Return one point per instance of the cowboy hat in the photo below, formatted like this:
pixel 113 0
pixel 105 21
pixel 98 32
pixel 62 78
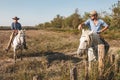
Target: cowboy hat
pixel 15 18
pixel 93 13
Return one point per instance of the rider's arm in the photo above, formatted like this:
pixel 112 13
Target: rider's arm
pixel 80 26
pixel 87 23
pixel 104 29
pixel 12 26
pixel 20 27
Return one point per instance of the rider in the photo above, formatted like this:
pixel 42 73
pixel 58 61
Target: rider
pixel 97 25
pixel 15 26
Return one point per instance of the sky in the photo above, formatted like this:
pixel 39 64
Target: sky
pixel 34 12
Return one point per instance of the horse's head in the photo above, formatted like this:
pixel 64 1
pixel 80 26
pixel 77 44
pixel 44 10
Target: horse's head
pixel 21 33
pixel 20 36
pixel 85 41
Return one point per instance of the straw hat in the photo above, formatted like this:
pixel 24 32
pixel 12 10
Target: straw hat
pixel 93 13
pixel 15 18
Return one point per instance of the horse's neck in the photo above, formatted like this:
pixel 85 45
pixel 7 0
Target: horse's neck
pixel 18 35
pixel 19 38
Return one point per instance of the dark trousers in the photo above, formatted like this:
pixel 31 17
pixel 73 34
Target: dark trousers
pixel 107 46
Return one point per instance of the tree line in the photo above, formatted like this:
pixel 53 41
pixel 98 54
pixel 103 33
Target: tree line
pixel 72 21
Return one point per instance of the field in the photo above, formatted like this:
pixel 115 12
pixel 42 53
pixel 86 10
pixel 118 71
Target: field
pixel 49 55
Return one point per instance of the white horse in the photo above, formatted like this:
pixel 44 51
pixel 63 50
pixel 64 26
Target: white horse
pixel 88 44
pixel 18 43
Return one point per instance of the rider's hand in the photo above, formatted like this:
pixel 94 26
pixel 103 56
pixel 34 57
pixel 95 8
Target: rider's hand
pixel 80 27
pixel 15 31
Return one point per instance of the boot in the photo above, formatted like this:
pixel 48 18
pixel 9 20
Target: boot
pixel 25 47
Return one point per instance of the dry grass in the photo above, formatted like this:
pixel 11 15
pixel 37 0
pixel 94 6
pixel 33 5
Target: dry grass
pixel 47 56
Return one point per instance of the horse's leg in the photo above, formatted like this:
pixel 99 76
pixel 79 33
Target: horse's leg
pixel 91 57
pixel 14 56
pixel 89 66
pixel 79 52
pixel 86 65
pixel 90 52
pixel 21 53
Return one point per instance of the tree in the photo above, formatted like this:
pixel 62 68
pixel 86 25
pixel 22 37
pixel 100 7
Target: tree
pixel 116 15
pixel 86 16
pixel 106 17
pixel 40 25
pixel 47 25
pixel 76 19
pixel 57 21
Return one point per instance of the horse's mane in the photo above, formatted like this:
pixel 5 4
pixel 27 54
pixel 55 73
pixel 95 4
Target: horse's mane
pixel 86 32
pixel 89 32
pixel 92 35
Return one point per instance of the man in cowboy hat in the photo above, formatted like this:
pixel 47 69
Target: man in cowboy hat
pixel 97 25
pixel 15 26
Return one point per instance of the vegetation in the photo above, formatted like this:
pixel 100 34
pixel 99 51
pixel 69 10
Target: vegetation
pixel 72 21
pixel 48 56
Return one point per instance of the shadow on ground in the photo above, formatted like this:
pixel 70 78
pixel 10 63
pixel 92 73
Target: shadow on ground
pixel 52 56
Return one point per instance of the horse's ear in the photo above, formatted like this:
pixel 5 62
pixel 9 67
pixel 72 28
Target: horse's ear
pixel 83 30
pixel 23 29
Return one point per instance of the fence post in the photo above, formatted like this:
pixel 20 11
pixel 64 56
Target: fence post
pixel 73 73
pixel 112 58
pixel 36 77
pixel 86 66
pixel 101 55
pixel 117 63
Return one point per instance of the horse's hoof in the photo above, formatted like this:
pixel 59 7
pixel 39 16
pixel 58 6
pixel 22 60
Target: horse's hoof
pixel 6 50
pixel 15 62
pixel 25 47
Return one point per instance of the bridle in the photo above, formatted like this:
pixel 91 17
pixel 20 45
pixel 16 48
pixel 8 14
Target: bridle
pixel 88 42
